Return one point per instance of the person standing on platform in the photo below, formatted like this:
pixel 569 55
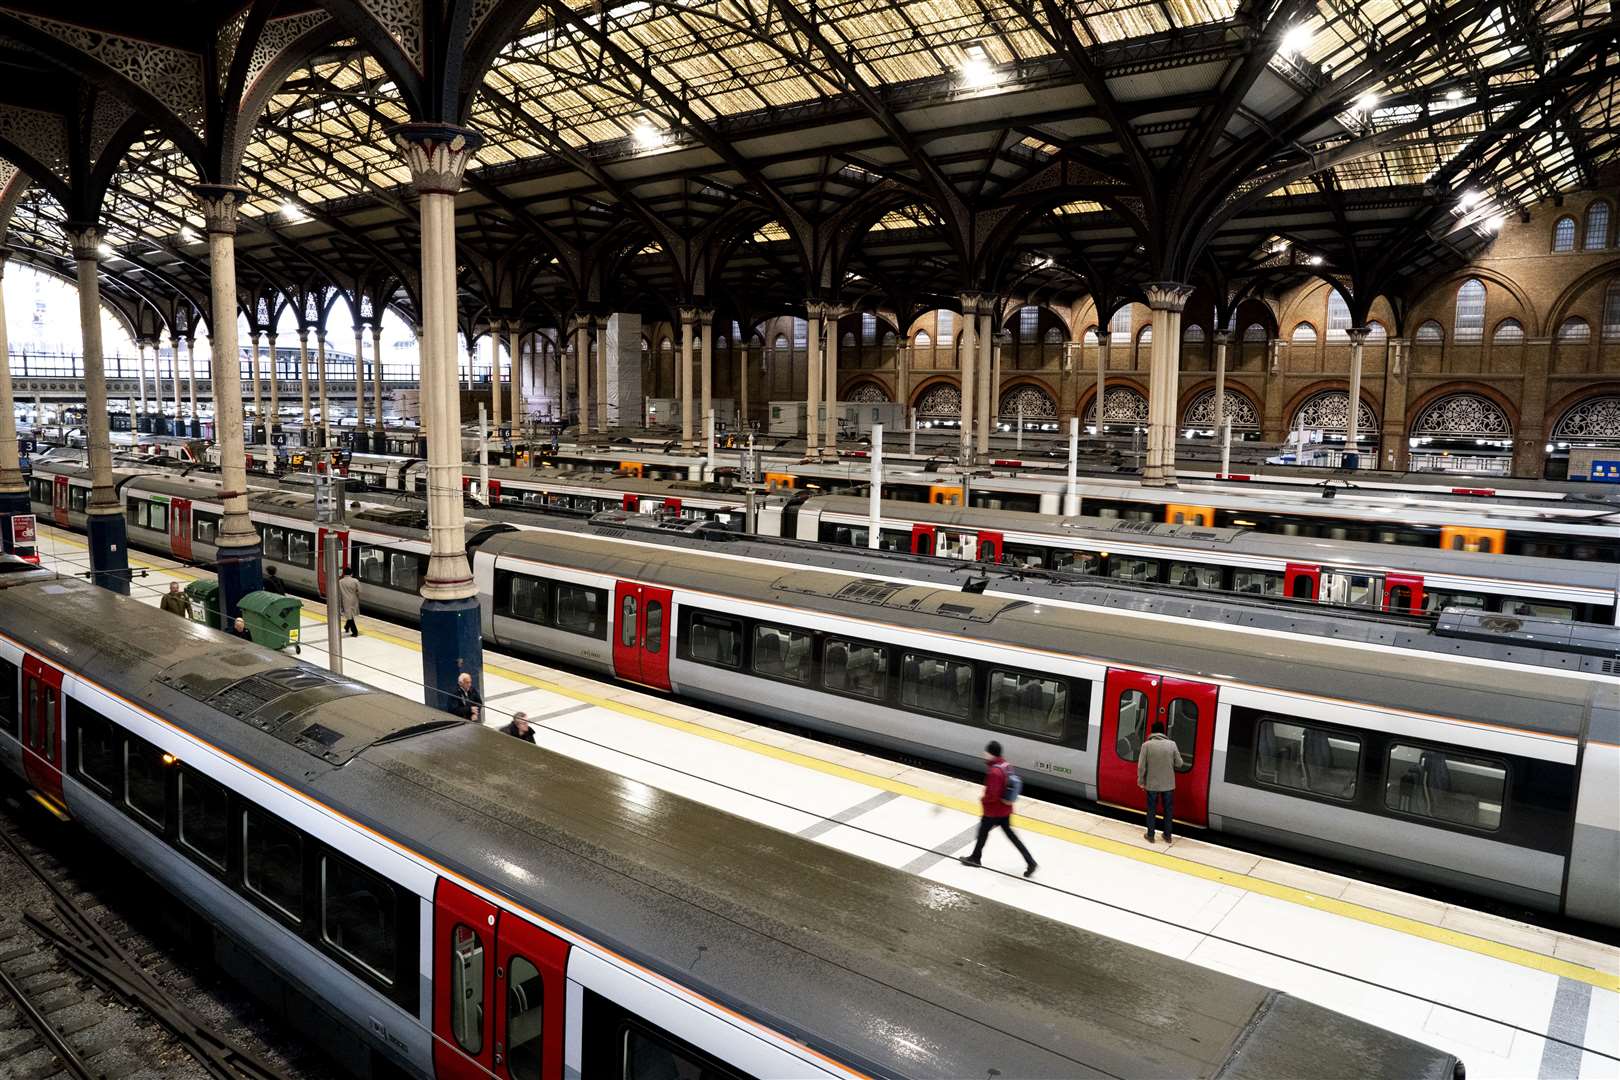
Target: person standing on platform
pixel 349 602
pixel 272 582
pixel 174 601
pixel 468 702
pixel 1001 789
pixel 239 629
pixel 519 728
pixel 1156 769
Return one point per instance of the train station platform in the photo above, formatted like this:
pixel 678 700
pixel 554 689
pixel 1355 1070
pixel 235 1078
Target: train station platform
pixel 1513 1000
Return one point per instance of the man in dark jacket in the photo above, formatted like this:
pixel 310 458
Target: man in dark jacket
pixel 466 702
pixel 239 629
pixel 519 728
pixel 272 582
pixel 1156 768
pixel 996 811
pixel 174 601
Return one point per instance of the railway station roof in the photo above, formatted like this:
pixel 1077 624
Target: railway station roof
pixel 748 154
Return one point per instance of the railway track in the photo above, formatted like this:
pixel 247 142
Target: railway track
pixel 90 991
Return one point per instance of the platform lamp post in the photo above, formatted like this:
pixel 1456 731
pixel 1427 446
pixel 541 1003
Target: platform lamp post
pixel 329 517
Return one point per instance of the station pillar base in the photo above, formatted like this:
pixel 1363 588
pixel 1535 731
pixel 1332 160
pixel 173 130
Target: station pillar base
pixel 241 571
pixel 452 642
pixel 109 552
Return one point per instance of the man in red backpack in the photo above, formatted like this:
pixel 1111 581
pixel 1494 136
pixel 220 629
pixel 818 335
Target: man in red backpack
pixel 997 804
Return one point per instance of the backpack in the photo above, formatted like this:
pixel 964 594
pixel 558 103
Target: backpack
pixel 1014 786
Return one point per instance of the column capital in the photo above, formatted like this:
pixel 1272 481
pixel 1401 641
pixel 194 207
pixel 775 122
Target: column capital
pixel 437 154
pixel 815 309
pixel 705 316
pixel 146 341
pixel 85 239
pixel 1223 337
pixel 303 335
pixel 689 315
pixel 1357 334
pixel 219 205
pixel 1100 332
pixel 1167 295
pixel 971 303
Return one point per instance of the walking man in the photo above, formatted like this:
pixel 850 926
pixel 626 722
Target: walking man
pixel 519 728
pixel 273 582
pixel 174 601
pixel 349 602
pixel 1156 769
pixel 996 808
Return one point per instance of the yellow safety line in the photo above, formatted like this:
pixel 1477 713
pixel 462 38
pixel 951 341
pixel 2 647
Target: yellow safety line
pixel 1305 898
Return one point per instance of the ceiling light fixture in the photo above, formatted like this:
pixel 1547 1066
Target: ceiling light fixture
pixel 1468 198
pixel 1296 40
pixel 977 70
pixel 1454 96
pixel 1316 260
pixel 1366 103
pixel 648 135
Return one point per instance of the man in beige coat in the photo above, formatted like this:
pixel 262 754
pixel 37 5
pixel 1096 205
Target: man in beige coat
pixel 349 602
pixel 1156 768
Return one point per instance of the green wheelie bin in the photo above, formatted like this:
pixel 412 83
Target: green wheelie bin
pixel 203 597
pixel 273 620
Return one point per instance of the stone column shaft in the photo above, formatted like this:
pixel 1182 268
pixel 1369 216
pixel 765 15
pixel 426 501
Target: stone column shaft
pixel 967 346
pixel 582 373
pixel 273 421
pixel 988 394
pixel 320 373
pixel 514 342
pixel 1166 299
pixel 174 379
pixel 706 362
pixel 1222 339
pixel 191 378
pixel 814 313
pixel 1358 338
pixel 376 383
pixel 742 380
pixel 13 488
pixel 140 379
pixel 688 324
pixel 494 378
pixel 598 338
pixel 829 363
pixel 258 413
pixel 303 380
pixel 1103 336
pixel 109 553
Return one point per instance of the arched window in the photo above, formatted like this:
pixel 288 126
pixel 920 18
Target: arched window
pixel 1144 337
pixel 922 340
pixel 947 327
pixel 1508 332
pixel 780 344
pixel 720 343
pixel 1192 334
pixel 888 339
pixel 1029 322
pixel 1469 323
pixel 848 340
pixel 646 346
pixel 1119 327
pixel 666 345
pixel 801 334
pixel 1430 333
pixel 1575 331
pixel 1611 312
pixel 1304 334
pixel 1597 226
pixel 1564 234
pixel 868 328
pixel 1254 332
pixel 1376 331
pixel 1338 317
pixel 1054 336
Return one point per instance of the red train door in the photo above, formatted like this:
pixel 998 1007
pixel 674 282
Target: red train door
pixel 180 528
pixel 641 634
pixel 530 995
pixel 1133 702
pixel 42 727
pixel 1404 593
pixel 320 555
pixel 1302 581
pixel 59 500
pixel 672 506
pixel 631 503
pixel 989 546
pixel 922 539
pixel 494 492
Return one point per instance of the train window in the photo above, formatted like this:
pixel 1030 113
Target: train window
pixel 1534 609
pixel 937 685
pixel 627 621
pixel 525 1015
pixel 204 527
pixel 581 609
pixel 1447 787
pixel 1307 758
pixel 1192 576
pixel 854 667
pixel 1027 704
pixel 1435 600
pixel 1080 562
pixel 529 599
pixel 1023 555
pixel 146 781
pixel 273 863
pixel 9 699
pixel 1257 582
pixel 653 1056
pixel 275 543
pixel 300 549
pixel 1133 722
pixel 1130 568
pixel 358 916
pixel 652 636
pixel 204 818
pixel 78 499
pixel 1182 727
pixel 405 570
pixel 1342 587
pixel 782 653
pixel 467 988
pixel 371 564
pixel 97 761
pixel 714 639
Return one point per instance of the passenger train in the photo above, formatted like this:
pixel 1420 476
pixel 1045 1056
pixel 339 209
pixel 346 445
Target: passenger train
pixel 1472 754
pixel 460 908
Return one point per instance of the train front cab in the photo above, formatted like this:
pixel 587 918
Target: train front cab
pixel 1133 702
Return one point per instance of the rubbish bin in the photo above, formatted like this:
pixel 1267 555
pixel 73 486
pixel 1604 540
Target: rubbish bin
pixel 272 619
pixel 203 597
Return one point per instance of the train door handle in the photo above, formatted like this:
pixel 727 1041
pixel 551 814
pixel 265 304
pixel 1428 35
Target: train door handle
pixel 500 1056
